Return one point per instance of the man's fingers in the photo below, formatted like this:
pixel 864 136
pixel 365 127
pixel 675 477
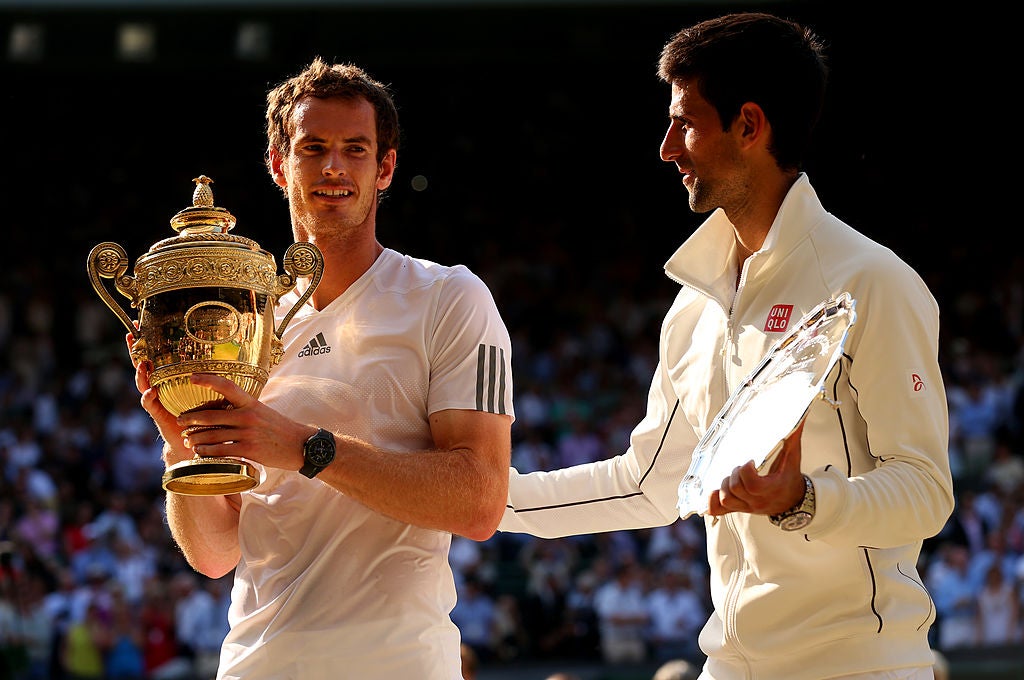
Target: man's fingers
pixel 142 372
pixel 236 396
pixel 743 482
pixel 737 490
pixel 788 455
pixel 715 504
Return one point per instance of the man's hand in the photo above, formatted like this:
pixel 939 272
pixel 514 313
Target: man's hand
pixel 247 428
pixel 150 400
pixel 782 487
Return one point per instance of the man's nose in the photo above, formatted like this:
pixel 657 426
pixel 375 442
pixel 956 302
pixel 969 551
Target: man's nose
pixel 672 144
pixel 333 164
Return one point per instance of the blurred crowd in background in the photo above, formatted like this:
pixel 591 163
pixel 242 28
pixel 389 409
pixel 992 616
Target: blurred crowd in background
pixel 92 586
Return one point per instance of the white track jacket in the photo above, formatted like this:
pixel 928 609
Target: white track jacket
pixel 844 596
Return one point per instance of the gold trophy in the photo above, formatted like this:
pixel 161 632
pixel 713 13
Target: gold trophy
pixel 206 303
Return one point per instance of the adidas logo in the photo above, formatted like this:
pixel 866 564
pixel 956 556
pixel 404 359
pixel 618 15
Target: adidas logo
pixel 315 346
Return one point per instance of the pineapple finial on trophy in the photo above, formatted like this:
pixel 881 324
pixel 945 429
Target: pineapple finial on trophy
pixel 202 197
pixel 203 217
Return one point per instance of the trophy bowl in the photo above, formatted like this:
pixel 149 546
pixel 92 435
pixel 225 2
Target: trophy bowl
pixel 205 301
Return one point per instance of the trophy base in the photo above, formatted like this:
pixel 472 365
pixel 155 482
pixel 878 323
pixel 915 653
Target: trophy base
pixel 209 477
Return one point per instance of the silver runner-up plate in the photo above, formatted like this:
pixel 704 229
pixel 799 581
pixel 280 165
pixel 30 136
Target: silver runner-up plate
pixel 770 403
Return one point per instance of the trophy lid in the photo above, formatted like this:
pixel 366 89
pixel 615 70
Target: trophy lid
pixel 204 224
pixel 203 217
pixel 203 253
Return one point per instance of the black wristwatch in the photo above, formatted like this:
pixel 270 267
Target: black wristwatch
pixel 801 514
pixel 318 452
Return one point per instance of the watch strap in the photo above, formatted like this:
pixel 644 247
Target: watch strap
pixel 804 509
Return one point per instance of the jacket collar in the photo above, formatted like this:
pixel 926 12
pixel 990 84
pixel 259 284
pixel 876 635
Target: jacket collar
pixel 706 259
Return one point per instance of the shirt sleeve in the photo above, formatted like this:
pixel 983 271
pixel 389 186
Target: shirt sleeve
pixel 635 489
pixel 470 350
pixel 895 374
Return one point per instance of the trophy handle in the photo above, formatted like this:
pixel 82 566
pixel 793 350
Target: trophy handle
pixel 109 260
pixel 300 260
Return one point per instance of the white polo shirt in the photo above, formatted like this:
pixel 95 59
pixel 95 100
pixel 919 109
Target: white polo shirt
pixel 326 588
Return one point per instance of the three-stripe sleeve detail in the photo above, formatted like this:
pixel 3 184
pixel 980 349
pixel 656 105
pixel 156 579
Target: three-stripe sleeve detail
pixel 491 374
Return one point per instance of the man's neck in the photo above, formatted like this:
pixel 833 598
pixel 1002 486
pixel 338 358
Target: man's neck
pixel 344 263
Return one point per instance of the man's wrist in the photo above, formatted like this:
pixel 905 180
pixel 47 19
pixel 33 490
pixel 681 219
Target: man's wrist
pixel 801 514
pixel 172 457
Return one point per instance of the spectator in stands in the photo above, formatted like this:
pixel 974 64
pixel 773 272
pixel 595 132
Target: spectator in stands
pixel 194 611
pixel 579 444
pixel 474 613
pixel 470 662
pixel 998 609
pixel 36 625
pixel 677 614
pixel 1006 471
pixel 511 639
pixel 623 616
pixel 125 659
pixel 955 597
pixel 940 666
pixel 994 554
pixel 973 522
pixel 677 669
pixel 87 642
pixel 580 634
pixel 548 566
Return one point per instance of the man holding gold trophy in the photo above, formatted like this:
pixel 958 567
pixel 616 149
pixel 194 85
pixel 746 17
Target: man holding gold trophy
pixel 384 429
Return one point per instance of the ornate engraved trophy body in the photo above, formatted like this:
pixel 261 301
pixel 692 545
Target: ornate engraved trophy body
pixel 206 303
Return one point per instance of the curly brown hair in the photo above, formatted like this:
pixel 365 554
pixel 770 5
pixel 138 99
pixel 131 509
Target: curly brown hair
pixel 324 80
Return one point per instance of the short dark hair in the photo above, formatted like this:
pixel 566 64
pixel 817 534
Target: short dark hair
pixel 323 80
pixel 755 57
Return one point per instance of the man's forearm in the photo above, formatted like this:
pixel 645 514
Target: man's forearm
pixel 204 527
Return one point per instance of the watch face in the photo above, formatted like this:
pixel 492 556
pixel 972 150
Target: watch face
pixel 320 452
pixel 797 520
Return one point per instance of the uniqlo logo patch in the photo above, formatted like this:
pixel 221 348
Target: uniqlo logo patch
pixel 778 319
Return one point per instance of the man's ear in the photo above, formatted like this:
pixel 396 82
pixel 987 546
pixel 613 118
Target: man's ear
pixel 386 171
pixel 753 126
pixel 275 163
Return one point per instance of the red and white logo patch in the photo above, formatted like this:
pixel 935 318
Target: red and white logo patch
pixel 778 319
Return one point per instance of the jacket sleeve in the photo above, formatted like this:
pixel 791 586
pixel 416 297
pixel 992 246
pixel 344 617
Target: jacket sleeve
pixel 904 491
pixel 635 489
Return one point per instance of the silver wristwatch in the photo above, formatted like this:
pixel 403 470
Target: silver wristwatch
pixel 801 514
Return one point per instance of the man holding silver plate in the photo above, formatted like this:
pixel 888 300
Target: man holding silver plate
pixel 797 405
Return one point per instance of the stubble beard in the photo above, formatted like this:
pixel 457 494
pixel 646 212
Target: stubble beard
pixel 700 198
pixel 707 196
pixel 334 223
